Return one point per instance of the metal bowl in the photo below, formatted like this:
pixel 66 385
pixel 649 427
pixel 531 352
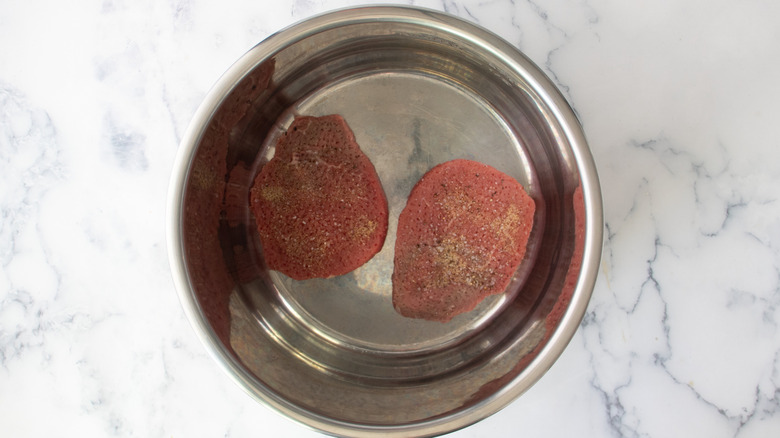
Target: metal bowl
pixel 418 88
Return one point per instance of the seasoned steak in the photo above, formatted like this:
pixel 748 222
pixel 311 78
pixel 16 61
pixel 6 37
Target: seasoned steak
pixel 318 203
pixel 461 237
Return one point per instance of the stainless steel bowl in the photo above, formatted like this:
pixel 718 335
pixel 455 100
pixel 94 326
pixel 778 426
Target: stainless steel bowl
pixel 418 88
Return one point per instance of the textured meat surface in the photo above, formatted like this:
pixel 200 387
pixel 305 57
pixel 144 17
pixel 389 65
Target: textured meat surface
pixel 461 237
pixel 318 203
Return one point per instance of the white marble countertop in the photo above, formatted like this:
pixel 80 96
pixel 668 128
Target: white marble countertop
pixel 679 99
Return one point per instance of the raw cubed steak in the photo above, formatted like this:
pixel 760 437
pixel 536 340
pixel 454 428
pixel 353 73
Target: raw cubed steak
pixel 318 203
pixel 461 237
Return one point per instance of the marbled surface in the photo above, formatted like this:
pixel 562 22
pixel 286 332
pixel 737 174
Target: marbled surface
pixel 679 99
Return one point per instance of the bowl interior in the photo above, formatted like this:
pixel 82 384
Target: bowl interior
pixel 417 88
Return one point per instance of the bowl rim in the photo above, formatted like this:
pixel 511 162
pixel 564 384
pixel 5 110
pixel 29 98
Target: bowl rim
pixel 548 93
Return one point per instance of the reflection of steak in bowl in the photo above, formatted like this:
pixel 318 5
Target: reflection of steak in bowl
pixel 417 88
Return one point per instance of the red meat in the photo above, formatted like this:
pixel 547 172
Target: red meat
pixel 461 237
pixel 318 203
